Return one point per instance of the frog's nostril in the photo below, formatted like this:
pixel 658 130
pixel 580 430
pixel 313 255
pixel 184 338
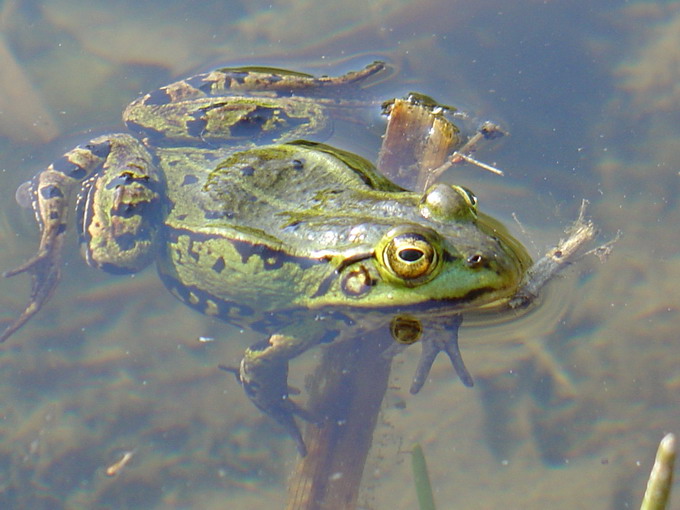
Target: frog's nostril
pixel 475 260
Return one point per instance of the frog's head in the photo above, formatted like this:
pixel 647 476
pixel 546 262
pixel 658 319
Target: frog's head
pixel 446 252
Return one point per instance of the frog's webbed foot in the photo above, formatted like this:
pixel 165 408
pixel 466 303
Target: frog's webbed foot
pixel 432 345
pixel 264 378
pixel 45 273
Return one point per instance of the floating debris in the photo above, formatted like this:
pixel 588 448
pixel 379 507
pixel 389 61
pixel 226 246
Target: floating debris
pixel 118 466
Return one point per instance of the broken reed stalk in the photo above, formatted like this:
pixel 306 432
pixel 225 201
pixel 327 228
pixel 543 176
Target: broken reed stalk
pixel 349 385
pixel 660 481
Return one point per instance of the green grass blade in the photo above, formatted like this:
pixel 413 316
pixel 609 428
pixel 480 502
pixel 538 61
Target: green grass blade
pixel 422 479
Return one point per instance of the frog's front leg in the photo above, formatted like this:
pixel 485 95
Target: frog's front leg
pixel 263 373
pixel 117 181
pixel 441 338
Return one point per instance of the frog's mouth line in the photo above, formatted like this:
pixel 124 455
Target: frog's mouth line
pixel 432 306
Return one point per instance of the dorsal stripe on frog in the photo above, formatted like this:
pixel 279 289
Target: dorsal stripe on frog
pixel 271 257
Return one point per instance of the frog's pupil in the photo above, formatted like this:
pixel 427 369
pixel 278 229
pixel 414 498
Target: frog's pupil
pixel 410 255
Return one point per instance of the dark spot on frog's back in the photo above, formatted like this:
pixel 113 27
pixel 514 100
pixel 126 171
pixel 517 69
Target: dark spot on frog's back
pixel 192 252
pixel 250 125
pixel 198 82
pixel 67 167
pixel 236 76
pixel 50 191
pixel 189 179
pixel 101 150
pixel 126 178
pixel 218 215
pixel 272 258
pixel 219 265
pixel 196 127
pixel 247 171
pixel 146 209
pixel 126 241
pixel 155 136
pixel 298 164
pixel 158 98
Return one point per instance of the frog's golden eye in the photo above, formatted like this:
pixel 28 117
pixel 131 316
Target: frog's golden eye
pixel 410 256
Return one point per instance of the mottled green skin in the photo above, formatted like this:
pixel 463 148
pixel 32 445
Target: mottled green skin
pixel 272 236
pixel 268 228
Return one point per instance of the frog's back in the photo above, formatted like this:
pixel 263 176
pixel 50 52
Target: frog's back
pixel 277 195
pixel 252 231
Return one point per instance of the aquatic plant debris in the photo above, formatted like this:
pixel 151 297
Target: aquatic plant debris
pixel 579 233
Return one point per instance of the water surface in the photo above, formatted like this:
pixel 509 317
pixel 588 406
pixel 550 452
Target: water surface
pixel 569 402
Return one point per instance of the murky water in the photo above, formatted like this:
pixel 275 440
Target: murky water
pixel 569 402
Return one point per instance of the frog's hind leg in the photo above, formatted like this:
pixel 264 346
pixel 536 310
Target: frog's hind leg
pixel 119 210
pixel 263 374
pixel 51 195
pixel 237 82
pixel 280 80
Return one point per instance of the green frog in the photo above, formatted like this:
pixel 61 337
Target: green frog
pixel 249 222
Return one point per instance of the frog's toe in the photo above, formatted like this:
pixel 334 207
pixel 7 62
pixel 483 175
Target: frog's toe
pixel 45 276
pixel 431 348
pixel 287 420
pixel 282 410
